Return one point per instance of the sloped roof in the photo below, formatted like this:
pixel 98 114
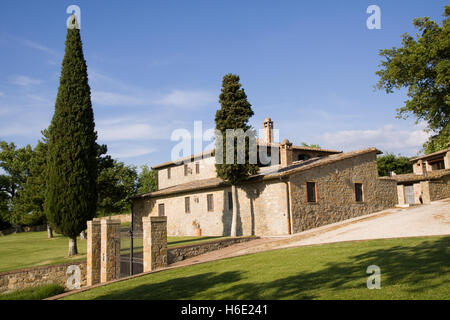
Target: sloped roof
pixel 269 173
pixel 209 153
pixel 412 177
pixel 431 155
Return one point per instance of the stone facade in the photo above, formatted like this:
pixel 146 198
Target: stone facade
pixel 93 252
pixel 110 250
pixel 33 277
pixel 262 207
pixel 336 192
pixel 206 169
pixel 439 189
pixel 154 242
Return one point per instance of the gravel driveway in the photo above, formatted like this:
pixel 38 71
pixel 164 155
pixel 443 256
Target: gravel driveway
pixel 424 220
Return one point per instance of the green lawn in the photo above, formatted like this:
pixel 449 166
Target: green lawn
pixel 413 268
pixel 30 249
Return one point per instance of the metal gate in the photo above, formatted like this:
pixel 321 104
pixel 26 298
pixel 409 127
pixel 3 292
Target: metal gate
pixel 131 247
pixel 409 195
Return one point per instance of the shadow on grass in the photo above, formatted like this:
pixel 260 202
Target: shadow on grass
pixel 197 240
pixel 411 265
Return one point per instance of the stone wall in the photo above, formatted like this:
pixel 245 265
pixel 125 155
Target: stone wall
pixel 262 211
pixel 184 252
pixel 126 217
pixel 336 194
pixel 439 189
pixel 207 170
pixel 33 277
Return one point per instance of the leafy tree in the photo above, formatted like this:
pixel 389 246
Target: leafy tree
pixel 304 144
pixel 389 162
pixel 437 142
pixel 234 114
pixel 4 200
pixel 116 184
pixel 71 191
pixel 422 65
pixel 29 203
pixel 147 180
pixel 15 162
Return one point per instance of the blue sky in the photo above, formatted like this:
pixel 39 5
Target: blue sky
pixel 155 66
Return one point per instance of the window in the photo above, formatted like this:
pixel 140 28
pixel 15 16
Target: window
pixel 311 192
pixel 230 201
pixel 210 202
pixel 168 173
pixel 187 205
pixel 359 192
pixel 186 170
pixel 161 212
pixel 197 168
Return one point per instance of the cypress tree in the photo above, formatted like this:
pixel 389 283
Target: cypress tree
pixel 71 194
pixel 234 113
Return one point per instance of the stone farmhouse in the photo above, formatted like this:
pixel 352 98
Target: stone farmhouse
pixel 429 181
pixel 307 188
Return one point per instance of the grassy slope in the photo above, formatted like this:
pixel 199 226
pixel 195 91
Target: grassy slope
pixel 30 249
pixel 414 268
pixel 37 293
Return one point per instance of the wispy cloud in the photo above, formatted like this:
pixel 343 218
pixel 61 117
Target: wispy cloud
pixel 187 99
pixel 116 99
pixel 387 139
pixel 123 152
pixel 37 46
pixel 24 81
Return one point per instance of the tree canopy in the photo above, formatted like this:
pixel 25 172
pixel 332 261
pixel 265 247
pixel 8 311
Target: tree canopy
pixel 422 64
pixel 390 162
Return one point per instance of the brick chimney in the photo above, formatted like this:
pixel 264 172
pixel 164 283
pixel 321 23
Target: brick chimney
pixel 286 155
pixel 268 130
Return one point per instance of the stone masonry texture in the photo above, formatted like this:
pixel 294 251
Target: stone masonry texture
pixel 154 243
pixel 110 250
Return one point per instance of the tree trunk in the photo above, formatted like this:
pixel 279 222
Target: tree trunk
pixel 83 235
pixel 73 250
pixel 235 211
pixel 49 232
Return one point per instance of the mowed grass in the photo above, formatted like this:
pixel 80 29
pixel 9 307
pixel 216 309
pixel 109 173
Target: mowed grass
pixel 31 249
pixel 411 268
pixel 37 293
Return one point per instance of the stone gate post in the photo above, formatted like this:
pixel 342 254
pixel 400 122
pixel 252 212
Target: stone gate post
pixel 110 250
pixel 93 252
pixel 155 242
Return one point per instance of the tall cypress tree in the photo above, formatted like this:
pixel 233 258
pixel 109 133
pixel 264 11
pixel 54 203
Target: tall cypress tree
pixel 234 113
pixel 71 195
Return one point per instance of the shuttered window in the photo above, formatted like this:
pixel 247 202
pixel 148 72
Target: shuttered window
pixel 230 201
pixel 210 202
pixel 187 205
pixel 161 212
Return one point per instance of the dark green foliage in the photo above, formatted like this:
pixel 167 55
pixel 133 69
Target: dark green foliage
pixel 389 162
pixel 423 66
pixel 71 193
pixel 304 144
pixel 29 203
pixel 15 163
pixel 147 181
pixel 437 142
pixel 36 293
pixel 116 183
pixel 234 113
